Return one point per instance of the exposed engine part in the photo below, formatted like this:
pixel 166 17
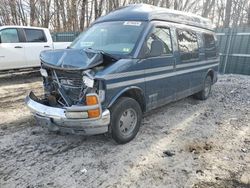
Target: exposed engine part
pixel 52 100
pixel 61 91
pixel 67 88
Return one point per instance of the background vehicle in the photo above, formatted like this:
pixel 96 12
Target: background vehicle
pixel 20 46
pixel 129 62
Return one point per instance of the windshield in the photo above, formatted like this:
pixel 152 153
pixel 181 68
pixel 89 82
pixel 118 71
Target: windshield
pixel 117 38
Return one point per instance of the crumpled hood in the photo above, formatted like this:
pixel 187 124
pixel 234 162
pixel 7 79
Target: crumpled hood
pixel 72 58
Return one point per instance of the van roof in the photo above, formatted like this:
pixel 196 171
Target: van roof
pixel 145 12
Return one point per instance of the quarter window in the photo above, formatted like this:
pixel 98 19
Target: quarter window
pixel 162 35
pixel 209 44
pixel 9 36
pixel 35 35
pixel 188 45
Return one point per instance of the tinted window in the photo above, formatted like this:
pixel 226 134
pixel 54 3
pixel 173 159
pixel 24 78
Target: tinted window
pixel 162 35
pixel 209 44
pixel 35 35
pixel 9 36
pixel 188 45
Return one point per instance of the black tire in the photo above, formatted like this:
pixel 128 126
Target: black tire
pixel 206 91
pixel 124 110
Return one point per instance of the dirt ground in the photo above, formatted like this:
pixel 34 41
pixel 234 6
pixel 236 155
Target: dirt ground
pixel 188 143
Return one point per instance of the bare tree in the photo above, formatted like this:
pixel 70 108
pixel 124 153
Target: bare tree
pixel 82 14
pixel 228 13
pixel 207 7
pixel 248 14
pixel 32 11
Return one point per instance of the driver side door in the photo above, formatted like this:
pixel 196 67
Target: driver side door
pixel 159 75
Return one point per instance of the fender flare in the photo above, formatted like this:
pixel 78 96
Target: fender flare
pixel 120 93
pixel 208 71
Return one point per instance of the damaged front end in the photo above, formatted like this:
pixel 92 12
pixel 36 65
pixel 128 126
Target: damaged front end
pixel 72 96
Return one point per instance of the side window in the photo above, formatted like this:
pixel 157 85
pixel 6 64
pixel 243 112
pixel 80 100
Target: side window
pixel 35 35
pixel 9 36
pixel 161 37
pixel 188 45
pixel 209 45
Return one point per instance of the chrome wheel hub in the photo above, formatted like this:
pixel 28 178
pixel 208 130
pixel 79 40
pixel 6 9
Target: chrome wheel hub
pixel 128 121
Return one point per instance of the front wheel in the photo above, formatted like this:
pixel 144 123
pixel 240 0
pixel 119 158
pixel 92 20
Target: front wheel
pixel 126 115
pixel 205 92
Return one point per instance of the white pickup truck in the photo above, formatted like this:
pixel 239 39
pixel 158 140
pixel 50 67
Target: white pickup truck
pixel 20 46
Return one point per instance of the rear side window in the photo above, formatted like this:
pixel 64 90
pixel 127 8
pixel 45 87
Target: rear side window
pixel 9 36
pixel 188 45
pixel 35 35
pixel 209 45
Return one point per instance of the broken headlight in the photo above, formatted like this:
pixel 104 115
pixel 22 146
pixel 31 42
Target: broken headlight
pixel 89 82
pixel 88 79
pixel 44 73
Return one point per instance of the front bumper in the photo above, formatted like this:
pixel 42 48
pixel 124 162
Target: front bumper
pixel 55 118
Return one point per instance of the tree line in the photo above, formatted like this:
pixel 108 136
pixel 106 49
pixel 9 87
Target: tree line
pixel 75 15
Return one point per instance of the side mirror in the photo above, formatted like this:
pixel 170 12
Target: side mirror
pixel 157 48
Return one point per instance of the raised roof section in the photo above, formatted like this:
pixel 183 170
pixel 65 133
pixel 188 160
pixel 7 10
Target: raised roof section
pixel 144 12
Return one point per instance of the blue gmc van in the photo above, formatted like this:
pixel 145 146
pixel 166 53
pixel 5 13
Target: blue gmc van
pixel 128 62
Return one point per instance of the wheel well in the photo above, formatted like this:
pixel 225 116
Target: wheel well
pixel 211 74
pixel 137 95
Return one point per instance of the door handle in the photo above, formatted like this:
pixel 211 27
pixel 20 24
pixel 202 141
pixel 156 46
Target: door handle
pixel 46 46
pixel 18 47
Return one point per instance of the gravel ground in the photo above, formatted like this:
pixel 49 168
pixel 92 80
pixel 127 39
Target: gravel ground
pixel 187 143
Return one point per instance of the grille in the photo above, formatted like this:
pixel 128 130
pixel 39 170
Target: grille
pixel 71 82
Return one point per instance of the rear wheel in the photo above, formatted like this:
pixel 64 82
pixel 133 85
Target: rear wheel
pixel 205 93
pixel 126 115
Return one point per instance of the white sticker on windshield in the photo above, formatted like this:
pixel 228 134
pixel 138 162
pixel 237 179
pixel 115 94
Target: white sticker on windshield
pixel 132 23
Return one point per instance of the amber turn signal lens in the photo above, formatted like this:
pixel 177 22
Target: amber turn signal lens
pixel 91 100
pixel 94 113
